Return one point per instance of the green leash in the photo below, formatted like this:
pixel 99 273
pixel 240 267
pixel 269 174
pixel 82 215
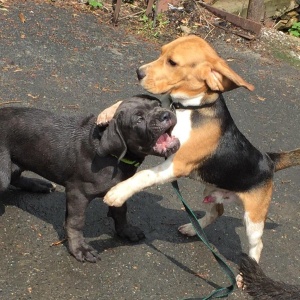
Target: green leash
pixel 221 292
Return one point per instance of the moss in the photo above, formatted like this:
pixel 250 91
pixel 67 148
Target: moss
pixel 286 57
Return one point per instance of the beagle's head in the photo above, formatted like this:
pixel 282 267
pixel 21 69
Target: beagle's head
pixel 188 67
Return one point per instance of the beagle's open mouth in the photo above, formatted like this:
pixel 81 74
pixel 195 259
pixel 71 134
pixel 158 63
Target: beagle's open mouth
pixel 166 144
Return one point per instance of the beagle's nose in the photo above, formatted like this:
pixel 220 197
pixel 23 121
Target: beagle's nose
pixel 140 73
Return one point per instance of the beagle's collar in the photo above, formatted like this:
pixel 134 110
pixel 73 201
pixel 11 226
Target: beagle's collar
pixel 168 102
pixel 178 105
pixel 127 161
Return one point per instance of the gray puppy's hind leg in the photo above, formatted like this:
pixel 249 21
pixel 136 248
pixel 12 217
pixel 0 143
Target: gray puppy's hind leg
pixel 34 185
pixel 5 170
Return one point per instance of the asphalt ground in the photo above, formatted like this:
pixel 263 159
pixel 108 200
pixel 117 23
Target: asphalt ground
pixel 65 61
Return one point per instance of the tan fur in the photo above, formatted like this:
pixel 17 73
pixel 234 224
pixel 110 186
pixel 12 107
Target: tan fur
pixel 198 69
pixel 287 159
pixel 202 142
pixel 256 201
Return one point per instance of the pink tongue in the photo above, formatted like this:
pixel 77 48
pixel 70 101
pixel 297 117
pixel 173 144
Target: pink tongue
pixel 162 142
pixel 163 139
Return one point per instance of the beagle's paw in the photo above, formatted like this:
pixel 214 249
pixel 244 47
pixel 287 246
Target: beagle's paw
pixel 187 229
pixel 107 114
pixel 117 195
pixel 239 281
pixel 103 119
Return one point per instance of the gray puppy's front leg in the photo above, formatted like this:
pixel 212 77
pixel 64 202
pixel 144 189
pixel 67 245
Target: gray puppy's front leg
pixel 75 219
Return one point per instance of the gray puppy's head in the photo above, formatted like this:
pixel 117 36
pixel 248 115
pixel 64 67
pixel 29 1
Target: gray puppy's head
pixel 142 127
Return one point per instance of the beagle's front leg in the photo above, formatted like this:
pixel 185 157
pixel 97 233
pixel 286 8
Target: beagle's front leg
pixel 163 173
pixel 107 114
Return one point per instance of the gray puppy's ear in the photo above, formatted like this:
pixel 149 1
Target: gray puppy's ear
pixel 112 141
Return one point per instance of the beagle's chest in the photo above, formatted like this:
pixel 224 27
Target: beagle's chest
pixel 183 127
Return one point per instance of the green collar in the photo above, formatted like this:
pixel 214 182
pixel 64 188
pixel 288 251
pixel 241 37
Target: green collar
pixel 128 161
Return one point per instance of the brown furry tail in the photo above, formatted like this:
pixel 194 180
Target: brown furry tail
pixel 285 160
pixel 261 287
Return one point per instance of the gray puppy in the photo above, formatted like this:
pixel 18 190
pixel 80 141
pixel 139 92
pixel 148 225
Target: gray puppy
pixel 84 158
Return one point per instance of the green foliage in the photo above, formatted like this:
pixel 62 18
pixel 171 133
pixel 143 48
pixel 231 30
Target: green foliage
pixel 154 28
pixel 295 29
pixel 95 4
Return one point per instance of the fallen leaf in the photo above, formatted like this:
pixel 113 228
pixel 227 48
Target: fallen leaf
pixel 104 89
pixel 9 102
pixel 261 98
pixel 185 29
pixel 33 97
pixel 58 242
pixel 201 275
pixel 22 17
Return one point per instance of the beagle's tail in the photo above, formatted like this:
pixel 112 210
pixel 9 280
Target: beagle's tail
pixel 261 287
pixel 285 160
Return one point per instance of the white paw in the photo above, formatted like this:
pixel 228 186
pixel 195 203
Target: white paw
pixel 239 281
pixel 117 195
pixel 187 229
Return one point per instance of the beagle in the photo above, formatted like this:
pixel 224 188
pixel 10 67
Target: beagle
pixel 212 149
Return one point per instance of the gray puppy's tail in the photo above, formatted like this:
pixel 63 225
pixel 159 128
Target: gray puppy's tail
pixel 261 287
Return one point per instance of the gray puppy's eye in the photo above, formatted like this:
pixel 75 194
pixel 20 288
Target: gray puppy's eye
pixel 139 119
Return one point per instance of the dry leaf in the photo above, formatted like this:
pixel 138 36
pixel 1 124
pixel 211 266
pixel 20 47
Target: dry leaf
pixel 202 275
pixel 104 89
pixel 9 102
pixel 261 98
pixel 22 17
pixel 33 97
pixel 58 242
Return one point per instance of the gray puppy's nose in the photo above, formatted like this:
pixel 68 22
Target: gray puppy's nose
pixel 140 74
pixel 165 116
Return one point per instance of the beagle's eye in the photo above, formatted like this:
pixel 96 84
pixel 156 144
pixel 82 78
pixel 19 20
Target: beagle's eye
pixel 172 62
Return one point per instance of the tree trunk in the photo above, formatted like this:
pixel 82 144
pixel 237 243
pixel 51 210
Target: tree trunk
pixel 256 10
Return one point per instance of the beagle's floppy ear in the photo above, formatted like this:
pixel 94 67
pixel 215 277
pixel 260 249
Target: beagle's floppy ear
pixel 219 77
pixel 112 141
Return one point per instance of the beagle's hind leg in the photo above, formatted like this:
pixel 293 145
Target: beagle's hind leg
pixel 34 185
pixel 256 204
pixel 212 211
